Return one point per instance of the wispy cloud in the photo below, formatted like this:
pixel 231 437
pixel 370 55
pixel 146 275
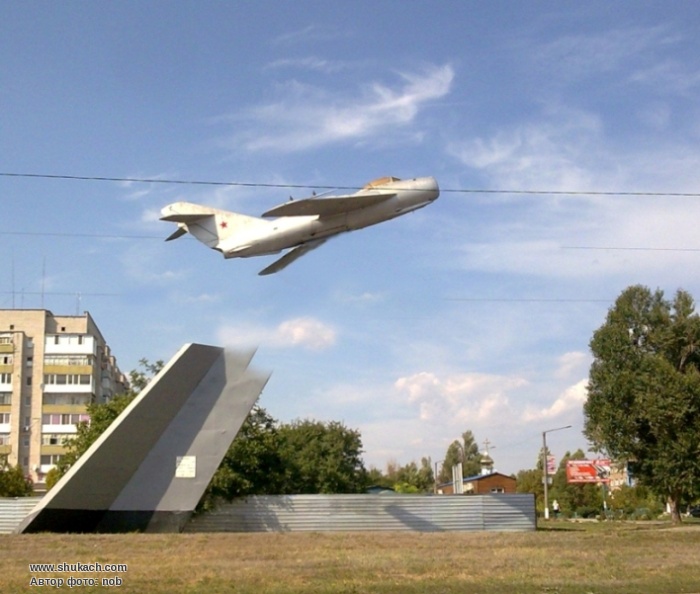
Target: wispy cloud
pixel 310 33
pixel 140 264
pixel 555 153
pixel 307 63
pixel 305 332
pixel 575 56
pixel 309 117
pixel 571 150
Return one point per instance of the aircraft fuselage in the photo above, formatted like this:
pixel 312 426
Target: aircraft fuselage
pixel 299 226
pixel 286 232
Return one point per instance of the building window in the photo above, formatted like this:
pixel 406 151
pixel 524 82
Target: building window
pixel 30 361
pixel 497 490
pixel 5 378
pixel 50 439
pixel 68 360
pixel 4 418
pixel 5 397
pixel 50 459
pixel 4 438
pixel 64 398
pixel 64 419
pixel 62 379
pixel 6 360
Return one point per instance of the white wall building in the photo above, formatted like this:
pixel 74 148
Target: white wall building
pixel 51 368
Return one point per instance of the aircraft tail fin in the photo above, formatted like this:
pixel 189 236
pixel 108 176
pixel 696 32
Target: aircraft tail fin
pixel 209 225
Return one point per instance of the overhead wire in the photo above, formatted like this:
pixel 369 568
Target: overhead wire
pixel 327 187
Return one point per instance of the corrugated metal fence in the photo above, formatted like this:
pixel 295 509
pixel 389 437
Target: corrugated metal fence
pixel 319 513
pixel 14 510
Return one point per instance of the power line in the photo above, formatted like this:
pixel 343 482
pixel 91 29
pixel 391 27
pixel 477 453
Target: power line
pixel 64 294
pixel 114 236
pixel 325 187
pixel 92 235
pixel 524 300
pixel 635 249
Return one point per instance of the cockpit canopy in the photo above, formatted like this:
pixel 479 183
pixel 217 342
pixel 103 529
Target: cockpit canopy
pixel 380 181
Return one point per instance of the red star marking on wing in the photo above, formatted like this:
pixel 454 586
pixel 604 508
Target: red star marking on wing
pixel 224 224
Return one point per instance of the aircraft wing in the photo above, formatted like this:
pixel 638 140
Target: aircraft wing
pixel 327 207
pixel 290 256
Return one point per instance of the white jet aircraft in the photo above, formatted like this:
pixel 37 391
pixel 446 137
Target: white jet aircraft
pixel 302 225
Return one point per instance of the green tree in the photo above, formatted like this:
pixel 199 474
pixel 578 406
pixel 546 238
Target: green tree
pixel 252 465
pixel 410 478
pixel 575 498
pixel 465 451
pixel 139 378
pixel 13 482
pixel 643 402
pixel 322 458
pixel 376 478
pixel 530 481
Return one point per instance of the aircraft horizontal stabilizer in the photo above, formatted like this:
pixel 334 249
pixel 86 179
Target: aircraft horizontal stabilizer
pixel 185 218
pixel 327 207
pixel 290 256
pixel 179 232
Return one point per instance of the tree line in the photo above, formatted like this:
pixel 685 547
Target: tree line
pixel 642 410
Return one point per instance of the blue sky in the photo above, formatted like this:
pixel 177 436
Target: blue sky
pixel 474 313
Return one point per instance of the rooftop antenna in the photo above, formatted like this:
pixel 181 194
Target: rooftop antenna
pixel 43 280
pixel 13 279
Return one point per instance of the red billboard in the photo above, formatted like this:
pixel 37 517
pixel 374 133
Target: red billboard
pixel 588 471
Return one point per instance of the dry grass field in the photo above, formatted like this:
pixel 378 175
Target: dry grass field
pixel 564 557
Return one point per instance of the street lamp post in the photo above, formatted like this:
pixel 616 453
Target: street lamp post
pixel 545 469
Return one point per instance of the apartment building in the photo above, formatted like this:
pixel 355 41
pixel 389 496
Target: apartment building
pixel 51 368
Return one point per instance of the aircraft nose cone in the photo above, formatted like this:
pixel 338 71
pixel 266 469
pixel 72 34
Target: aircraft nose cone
pixel 430 185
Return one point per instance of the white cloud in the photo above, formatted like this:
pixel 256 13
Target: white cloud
pixel 572 399
pixel 309 117
pixel 458 398
pixel 364 298
pixel 572 363
pixel 305 332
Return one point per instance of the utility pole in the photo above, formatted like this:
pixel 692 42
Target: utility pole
pixel 546 470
